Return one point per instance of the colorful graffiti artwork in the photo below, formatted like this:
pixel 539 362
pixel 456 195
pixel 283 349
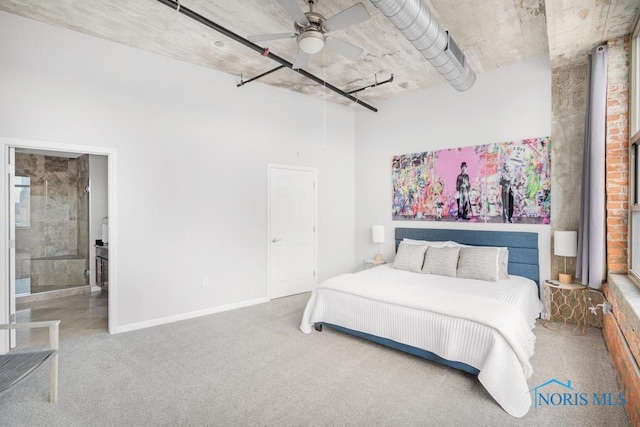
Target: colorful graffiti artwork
pixel 506 182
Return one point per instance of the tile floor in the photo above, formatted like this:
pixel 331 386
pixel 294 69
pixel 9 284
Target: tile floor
pixel 80 315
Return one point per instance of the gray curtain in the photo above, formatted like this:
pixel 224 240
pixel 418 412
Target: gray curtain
pixel 591 263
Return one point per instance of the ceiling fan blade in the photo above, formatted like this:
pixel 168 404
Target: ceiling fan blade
pixel 345 49
pixel 266 37
pixel 301 61
pixel 293 10
pixel 353 15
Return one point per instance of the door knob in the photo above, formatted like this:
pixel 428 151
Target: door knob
pixel 275 239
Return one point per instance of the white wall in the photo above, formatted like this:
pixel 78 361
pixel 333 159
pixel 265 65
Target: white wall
pixel 192 151
pixel 506 104
pixel 98 208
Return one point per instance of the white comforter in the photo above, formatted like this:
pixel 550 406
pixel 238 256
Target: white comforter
pixel 486 325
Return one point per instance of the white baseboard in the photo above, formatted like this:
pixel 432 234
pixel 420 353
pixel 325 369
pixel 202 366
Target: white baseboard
pixel 185 316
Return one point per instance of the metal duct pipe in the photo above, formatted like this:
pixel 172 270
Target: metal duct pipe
pixel 415 21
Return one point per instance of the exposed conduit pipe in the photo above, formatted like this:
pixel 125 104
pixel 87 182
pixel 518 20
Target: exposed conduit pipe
pixel 415 21
pixel 175 5
pixel 373 85
pixel 266 73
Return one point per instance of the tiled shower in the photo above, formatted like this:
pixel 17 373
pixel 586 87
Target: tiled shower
pixel 52 222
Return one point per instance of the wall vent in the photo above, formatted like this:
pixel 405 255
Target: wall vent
pixel 453 51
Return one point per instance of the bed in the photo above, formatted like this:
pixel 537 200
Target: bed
pixel 480 321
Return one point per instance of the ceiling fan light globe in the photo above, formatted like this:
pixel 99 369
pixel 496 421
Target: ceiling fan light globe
pixel 311 42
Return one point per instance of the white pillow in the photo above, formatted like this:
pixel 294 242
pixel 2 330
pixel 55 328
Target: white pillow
pixel 503 261
pixel 441 261
pixel 480 263
pixel 409 257
pixel 424 242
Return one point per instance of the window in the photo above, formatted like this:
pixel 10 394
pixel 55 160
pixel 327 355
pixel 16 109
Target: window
pixel 634 157
pixel 634 215
pixel 22 188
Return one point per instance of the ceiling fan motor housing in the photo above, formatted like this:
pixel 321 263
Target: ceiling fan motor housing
pixel 315 22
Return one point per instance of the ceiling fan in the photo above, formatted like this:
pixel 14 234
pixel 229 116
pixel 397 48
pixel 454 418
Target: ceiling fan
pixel 311 31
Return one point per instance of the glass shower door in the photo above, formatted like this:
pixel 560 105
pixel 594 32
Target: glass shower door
pixel 52 222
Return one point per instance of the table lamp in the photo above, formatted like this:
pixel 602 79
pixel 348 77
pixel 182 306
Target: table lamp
pixel 565 245
pixel 377 236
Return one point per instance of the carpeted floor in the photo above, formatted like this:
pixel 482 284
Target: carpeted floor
pixel 253 366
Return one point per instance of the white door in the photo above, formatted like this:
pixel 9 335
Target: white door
pixel 292 230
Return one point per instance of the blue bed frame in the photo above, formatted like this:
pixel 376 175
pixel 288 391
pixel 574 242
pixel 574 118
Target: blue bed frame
pixel 523 261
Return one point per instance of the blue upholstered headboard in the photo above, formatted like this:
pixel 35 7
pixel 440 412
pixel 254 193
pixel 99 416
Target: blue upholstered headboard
pixel 523 246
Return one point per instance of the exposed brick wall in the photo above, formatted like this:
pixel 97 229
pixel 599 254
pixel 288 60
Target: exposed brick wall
pixel 630 335
pixel 617 155
pixel 624 364
pixel 617 204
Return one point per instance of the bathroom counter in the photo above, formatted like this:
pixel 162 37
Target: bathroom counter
pixel 102 266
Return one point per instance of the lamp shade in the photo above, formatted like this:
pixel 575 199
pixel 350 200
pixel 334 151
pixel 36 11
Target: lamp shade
pixel 311 42
pixel 565 243
pixel 377 234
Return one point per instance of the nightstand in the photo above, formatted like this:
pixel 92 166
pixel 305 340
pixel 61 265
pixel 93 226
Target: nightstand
pixel 566 306
pixel 370 263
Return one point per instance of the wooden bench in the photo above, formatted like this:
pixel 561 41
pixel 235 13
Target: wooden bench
pixel 17 366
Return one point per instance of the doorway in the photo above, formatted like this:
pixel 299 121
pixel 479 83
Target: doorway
pixel 70 259
pixel 52 208
pixel 292 225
